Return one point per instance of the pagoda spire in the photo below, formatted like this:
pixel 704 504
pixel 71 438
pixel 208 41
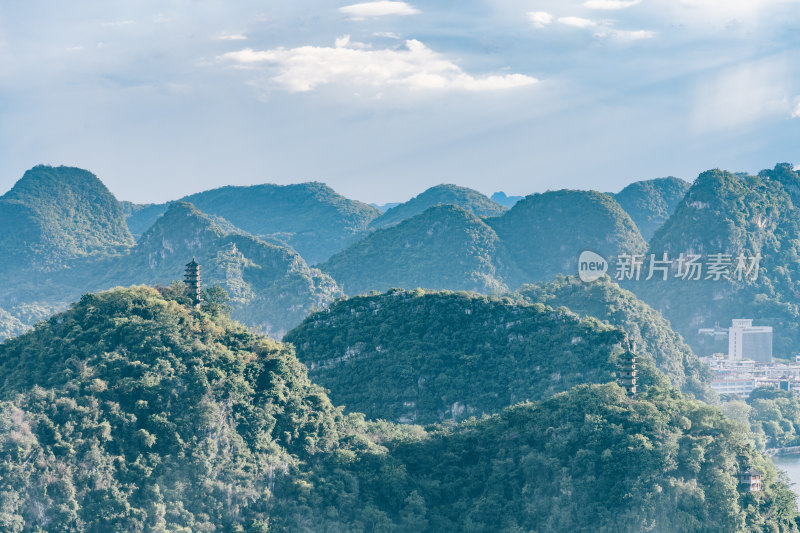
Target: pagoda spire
pixel 192 281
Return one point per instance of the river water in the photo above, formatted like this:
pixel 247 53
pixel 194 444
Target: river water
pixel 791 464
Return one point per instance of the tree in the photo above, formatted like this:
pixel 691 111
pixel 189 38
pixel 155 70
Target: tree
pixel 215 301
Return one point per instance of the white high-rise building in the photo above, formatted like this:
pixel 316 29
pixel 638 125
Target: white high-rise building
pixel 746 341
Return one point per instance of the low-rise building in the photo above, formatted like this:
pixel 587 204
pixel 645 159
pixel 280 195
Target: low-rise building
pixel 750 480
pixel 741 385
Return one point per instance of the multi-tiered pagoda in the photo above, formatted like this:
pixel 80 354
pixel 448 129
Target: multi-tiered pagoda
pixel 627 370
pixel 192 281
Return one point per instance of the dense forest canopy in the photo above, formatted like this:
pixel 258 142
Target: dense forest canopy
pixel 131 411
pixel 645 326
pixel 422 357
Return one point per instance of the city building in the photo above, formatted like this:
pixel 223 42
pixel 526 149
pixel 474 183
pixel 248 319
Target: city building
pixel 741 377
pixel 746 341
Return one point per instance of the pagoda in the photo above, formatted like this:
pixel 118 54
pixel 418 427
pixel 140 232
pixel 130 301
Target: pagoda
pixel 627 367
pixel 192 281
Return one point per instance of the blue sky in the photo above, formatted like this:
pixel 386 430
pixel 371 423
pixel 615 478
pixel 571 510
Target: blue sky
pixel 383 99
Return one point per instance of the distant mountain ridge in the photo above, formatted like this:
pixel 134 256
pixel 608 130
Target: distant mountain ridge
pixel 445 247
pixel 467 199
pixel 310 217
pixel 651 202
pixel 10 326
pixel 503 199
pixel 84 245
pixel 545 233
pixel 271 287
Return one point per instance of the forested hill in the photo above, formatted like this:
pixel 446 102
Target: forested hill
pixel 546 233
pixel 310 217
pixel 724 213
pixel 444 247
pixel 271 287
pixel 650 202
pixel 55 214
pixel 590 460
pixel 467 199
pixel 131 412
pixel 430 356
pixel 605 300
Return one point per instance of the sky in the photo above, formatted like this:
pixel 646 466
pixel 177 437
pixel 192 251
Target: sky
pixel 382 100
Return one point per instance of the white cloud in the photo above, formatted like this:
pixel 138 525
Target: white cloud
pixel 796 112
pixel 604 29
pixel 118 23
pixel 231 37
pixel 345 42
pixel 415 67
pixel 577 22
pixel 627 35
pixel 386 34
pixel 610 4
pixel 378 9
pixel 540 19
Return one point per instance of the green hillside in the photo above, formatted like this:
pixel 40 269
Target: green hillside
pixel 130 412
pixel 650 202
pixel 734 214
pixel 546 233
pixel 445 247
pixel 645 326
pixel 424 357
pixel 467 199
pixel 58 214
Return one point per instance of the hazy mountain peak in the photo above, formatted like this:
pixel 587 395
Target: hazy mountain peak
pixel 443 194
pixel 650 202
pixel 60 213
